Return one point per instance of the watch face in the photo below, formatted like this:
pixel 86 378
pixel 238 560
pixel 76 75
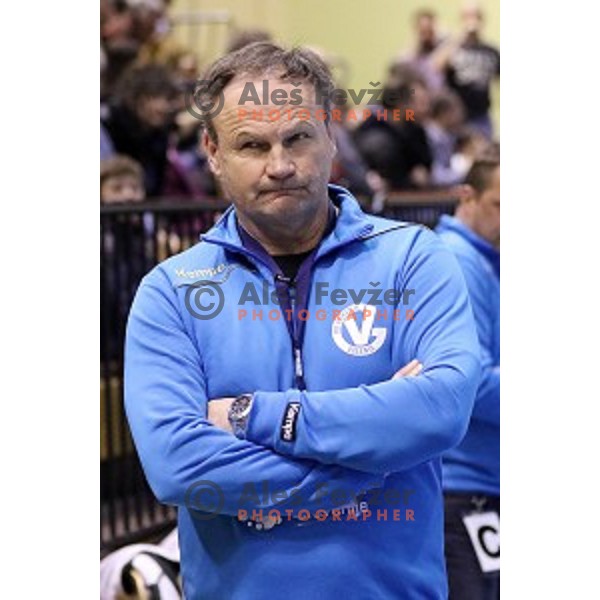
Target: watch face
pixel 238 414
pixel 240 405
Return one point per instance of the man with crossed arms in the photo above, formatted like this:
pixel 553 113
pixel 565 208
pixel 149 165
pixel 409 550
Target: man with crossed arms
pixel 309 406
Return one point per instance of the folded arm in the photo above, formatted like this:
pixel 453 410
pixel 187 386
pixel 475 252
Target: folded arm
pixel 397 424
pixel 166 404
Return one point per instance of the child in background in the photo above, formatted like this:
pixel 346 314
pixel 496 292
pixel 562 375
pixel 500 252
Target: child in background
pixel 121 180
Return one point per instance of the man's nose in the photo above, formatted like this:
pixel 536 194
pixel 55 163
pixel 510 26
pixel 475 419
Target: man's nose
pixel 279 164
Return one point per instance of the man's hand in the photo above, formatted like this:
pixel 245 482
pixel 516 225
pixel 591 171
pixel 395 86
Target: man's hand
pixel 412 369
pixel 218 413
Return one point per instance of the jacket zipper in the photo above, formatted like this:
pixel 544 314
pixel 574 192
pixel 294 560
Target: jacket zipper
pixel 294 326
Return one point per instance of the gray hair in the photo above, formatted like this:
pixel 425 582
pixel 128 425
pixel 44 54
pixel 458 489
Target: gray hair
pixel 262 58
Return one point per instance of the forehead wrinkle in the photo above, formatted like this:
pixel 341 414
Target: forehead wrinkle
pixel 229 118
pixel 235 126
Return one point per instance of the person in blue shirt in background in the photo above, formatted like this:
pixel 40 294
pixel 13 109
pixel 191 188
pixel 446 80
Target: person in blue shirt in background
pixel 224 405
pixel 471 470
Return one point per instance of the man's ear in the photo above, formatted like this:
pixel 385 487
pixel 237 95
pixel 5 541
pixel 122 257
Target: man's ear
pixel 211 149
pixel 465 193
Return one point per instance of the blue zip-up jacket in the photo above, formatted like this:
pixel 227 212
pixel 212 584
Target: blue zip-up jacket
pixel 354 428
pixel 474 465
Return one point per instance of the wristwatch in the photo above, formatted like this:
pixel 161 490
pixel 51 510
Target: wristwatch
pixel 239 411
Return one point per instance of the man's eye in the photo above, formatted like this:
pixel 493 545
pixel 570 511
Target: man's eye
pixel 250 146
pixel 299 136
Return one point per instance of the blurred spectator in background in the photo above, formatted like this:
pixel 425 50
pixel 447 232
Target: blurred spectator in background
pixel 121 180
pixel 116 22
pixel 421 58
pixel 471 66
pixel 491 152
pixel 152 31
pixel 119 47
pixel 447 116
pixel 138 32
pixel 187 174
pixel 470 144
pixel 349 169
pixel 398 150
pixel 244 37
pixel 186 72
pixel 106 146
pixel 139 121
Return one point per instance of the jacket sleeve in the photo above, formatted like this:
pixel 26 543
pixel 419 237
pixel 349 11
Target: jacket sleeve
pixel 487 400
pixel 394 425
pixel 182 453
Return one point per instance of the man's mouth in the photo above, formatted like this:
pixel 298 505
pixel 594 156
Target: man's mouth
pixel 283 191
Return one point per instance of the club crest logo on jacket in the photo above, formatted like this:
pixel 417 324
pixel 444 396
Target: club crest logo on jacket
pixel 357 340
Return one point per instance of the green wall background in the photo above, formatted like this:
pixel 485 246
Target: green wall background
pixel 365 35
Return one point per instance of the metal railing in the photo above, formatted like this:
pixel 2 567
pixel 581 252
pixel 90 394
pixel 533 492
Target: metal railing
pixel 424 207
pixel 134 238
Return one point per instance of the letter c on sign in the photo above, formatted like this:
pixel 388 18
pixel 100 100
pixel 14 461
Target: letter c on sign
pixel 481 534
